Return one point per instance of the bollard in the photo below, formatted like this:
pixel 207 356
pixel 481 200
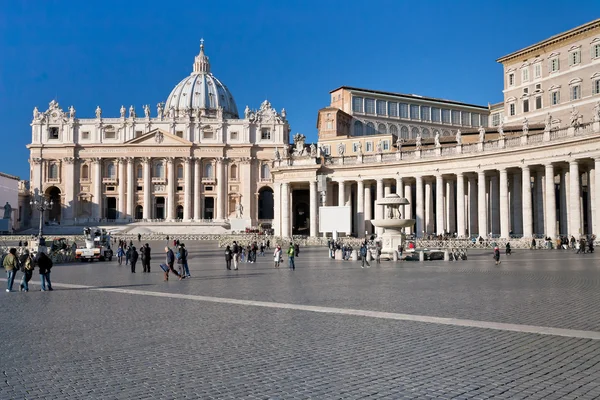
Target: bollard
pixel 354 255
pixel 421 256
pixel 395 255
pixel 446 255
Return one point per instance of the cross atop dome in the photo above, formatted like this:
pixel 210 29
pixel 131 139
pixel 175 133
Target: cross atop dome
pixel 201 63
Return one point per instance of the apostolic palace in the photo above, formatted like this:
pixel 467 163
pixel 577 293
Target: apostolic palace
pixel 524 167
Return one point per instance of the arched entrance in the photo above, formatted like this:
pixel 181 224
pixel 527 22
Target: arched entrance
pixel 54 214
pixel 266 206
pixel 209 207
pixel 160 208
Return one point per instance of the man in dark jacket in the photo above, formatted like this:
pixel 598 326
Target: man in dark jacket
pixel 235 253
pixel 170 260
pixel 146 257
pixel 133 257
pixel 44 264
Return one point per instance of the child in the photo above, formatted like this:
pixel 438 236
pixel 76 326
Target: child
pixel 497 255
pixel 277 256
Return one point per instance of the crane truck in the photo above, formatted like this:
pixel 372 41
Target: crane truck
pixel 97 246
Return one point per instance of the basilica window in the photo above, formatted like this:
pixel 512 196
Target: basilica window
pixel 414 132
pixel 233 174
pixel 85 135
pixel 159 170
pixel 382 129
pixel 381 107
pixel 140 172
pixel 53 171
pixel 394 130
pixel 355 147
pixel 179 134
pixel 138 133
pixel 357 104
pixel 425 133
pixel 371 128
pixel 414 111
pixel 435 114
pixel 475 119
pixel 445 116
pixel 370 106
pixel 264 172
pixel 455 117
pixel 358 128
pixel 425 113
pixel 209 171
pixel 109 133
pixel 466 118
pixel 53 133
pixel 85 172
pixel 179 171
pixel 233 135
pixel 265 134
pixel 446 133
pixel 404 132
pixel 392 109
pixel 403 110
pixel 110 170
pixel 207 135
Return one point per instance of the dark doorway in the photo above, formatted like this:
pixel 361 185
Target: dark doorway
pixel 179 212
pixel 160 208
pixel 300 211
pixel 209 207
pixel 111 208
pixel 139 212
pixel 266 204
pixel 54 214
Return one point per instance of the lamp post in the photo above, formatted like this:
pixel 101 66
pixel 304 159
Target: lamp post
pixel 41 204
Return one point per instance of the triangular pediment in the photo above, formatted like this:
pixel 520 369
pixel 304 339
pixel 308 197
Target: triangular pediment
pixel 158 137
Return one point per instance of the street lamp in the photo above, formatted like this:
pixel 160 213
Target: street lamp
pixel 41 204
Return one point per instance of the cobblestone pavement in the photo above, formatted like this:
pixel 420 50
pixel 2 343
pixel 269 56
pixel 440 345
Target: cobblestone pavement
pixel 111 334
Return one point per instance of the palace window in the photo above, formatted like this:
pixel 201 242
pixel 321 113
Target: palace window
pixel 179 171
pixel 53 171
pixel 111 170
pixel 538 102
pixel 385 144
pixel 265 173
pixel 233 173
pixel 483 120
pixel 537 70
pixel 403 110
pixel 575 57
pixel 382 128
pixel 392 109
pixel 209 171
pixel 455 117
pixel 329 125
pixel 475 120
pixel 371 128
pixel 265 134
pixel 357 104
pixel 404 132
pixel 326 149
pixel 596 86
pixel 53 133
pixel 496 119
pixel 425 113
pixel 394 130
pixel 525 105
pixel 596 51
pixel 511 79
pixel 355 147
pixel 369 146
pixel 555 98
pixel 370 106
pixel 554 65
pixel 525 75
pixel 414 111
pixel 445 116
pixel 466 118
pixel 381 106
pixel 85 135
pixel 85 172
pixel 512 109
pixel 435 114
pixel 575 92
pixel 358 128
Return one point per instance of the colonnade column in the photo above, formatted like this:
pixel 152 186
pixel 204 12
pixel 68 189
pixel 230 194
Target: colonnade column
pixel 187 187
pixel 131 185
pixel 526 202
pixel 550 222
pixel 574 203
pixel 439 204
pixel 147 188
pixel 504 229
pixel 197 188
pixel 517 203
pixel 420 209
pixel 472 206
pixel 285 209
pixel 97 204
pixel 540 212
pixel 460 205
pixel 408 209
pixel 341 193
pixel 360 208
pixel 429 221
pixel 368 208
pixel 596 195
pixel 378 208
pixel 170 203
pixel 313 194
pixel 220 203
pixel 450 208
pixel 400 192
pixel 348 203
pixel 122 178
pixel 481 205
pixel 248 197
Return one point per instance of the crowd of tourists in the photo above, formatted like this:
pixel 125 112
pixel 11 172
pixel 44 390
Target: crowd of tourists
pixel 236 253
pixel 585 244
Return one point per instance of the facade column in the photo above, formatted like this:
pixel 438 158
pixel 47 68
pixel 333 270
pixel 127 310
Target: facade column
pixel 504 228
pixel 348 203
pixel 360 208
pixel 574 203
pixel 314 194
pixel 147 189
pixel 197 188
pixel 439 204
pixel 481 205
pixel 592 227
pixel 540 213
pixel 494 205
pixel 97 204
pixel 368 209
pixel 248 182
pixel 517 203
pixel 450 207
pixel 460 205
pixel 429 218
pixel 420 207
pixel 277 209
pixel 187 187
pixel 596 195
pixel 550 223
pixel 170 203
pixel 387 189
pixel 526 202
pixel 341 193
pixel 285 210
pixel 563 216
pixel 131 186
pixel 378 208
pixel 472 206
pixel 221 183
pixel 70 189
pixel 408 209
pixel 122 186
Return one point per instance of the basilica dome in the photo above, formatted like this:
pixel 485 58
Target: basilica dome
pixel 202 90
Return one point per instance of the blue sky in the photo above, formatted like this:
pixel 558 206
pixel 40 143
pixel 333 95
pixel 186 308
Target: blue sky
pixel 108 53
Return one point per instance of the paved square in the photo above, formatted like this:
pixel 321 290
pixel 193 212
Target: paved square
pixel 527 329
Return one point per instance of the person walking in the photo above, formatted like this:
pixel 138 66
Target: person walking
pixel 27 266
pixel 228 257
pixel 181 255
pixel 290 253
pixel 277 256
pixel 296 250
pixel 128 255
pixel 508 250
pixel 120 254
pixel 133 258
pixel 10 264
pixel 235 252
pixel 363 255
pixel 146 251
pixel 139 238
pixel 170 259
pixel 497 255
pixel 44 264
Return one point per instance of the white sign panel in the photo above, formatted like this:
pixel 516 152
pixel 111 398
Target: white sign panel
pixel 333 218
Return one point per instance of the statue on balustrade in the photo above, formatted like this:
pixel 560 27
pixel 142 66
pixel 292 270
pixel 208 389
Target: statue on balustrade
pixel 418 141
pixel 359 148
pixel 72 112
pixel 481 134
pixel 98 112
pixel 525 126
pixel 122 111
pixel 458 137
pixel 159 110
pixel 147 111
pixel 131 112
pixel 596 117
pixel 239 210
pixel 501 129
pixel 437 140
pixel 574 122
pixel 548 122
pixel 277 155
pixel 399 143
pixel 286 151
pixel 313 150
pixel 341 149
pixel 379 147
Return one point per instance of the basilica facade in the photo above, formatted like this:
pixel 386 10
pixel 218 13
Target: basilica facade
pixel 192 159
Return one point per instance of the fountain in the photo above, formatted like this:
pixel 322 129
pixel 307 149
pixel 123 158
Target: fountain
pixel 392 223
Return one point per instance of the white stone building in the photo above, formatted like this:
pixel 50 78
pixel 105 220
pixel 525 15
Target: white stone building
pixel 192 159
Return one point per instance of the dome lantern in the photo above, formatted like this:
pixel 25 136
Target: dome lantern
pixel 201 63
